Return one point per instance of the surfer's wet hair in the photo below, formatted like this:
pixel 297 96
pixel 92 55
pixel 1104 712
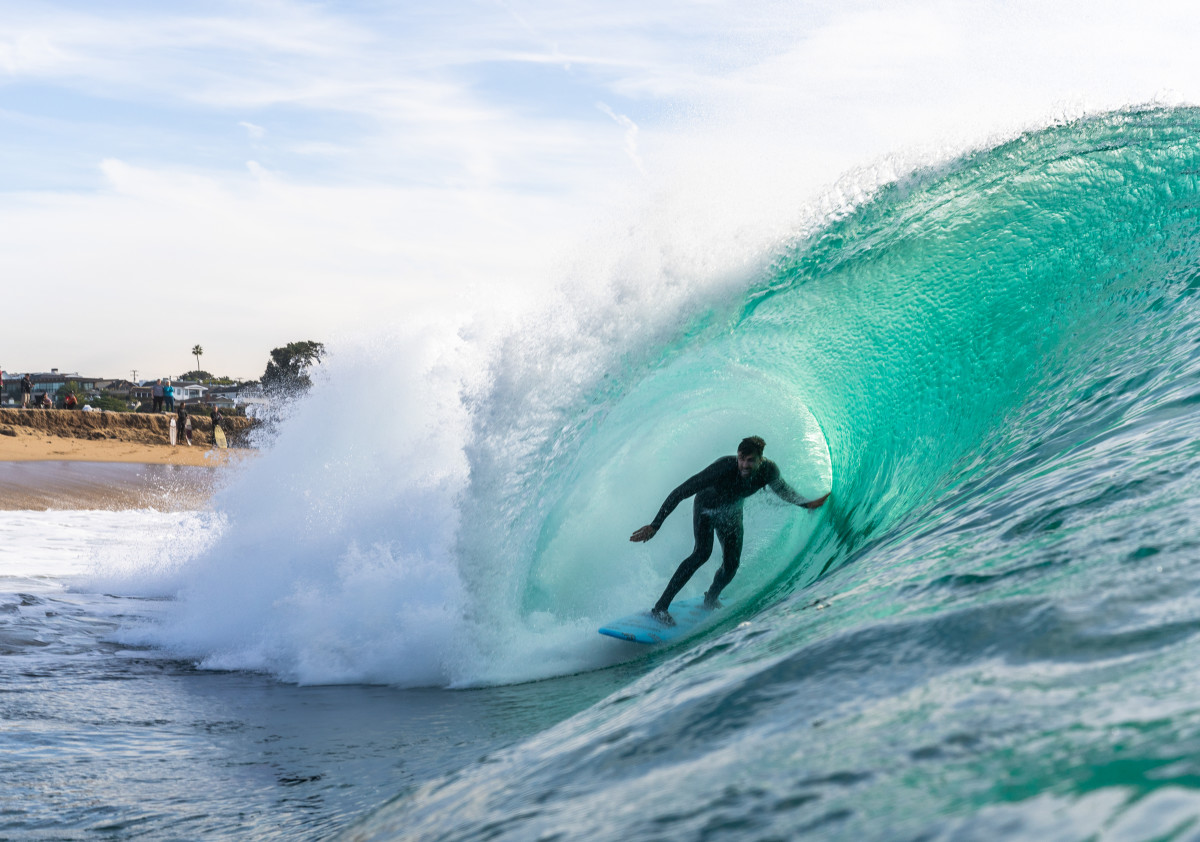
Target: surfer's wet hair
pixel 751 446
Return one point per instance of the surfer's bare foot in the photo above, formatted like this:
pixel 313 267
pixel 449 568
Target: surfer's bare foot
pixel 662 616
pixel 712 603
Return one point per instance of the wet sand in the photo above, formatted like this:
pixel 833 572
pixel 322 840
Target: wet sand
pixel 104 485
pixel 48 472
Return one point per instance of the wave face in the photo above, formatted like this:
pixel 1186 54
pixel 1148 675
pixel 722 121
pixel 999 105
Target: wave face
pixel 990 630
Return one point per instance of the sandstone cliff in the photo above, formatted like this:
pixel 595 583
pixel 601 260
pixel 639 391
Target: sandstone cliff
pixel 141 427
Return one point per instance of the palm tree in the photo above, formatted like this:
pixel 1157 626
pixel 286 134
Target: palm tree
pixel 196 352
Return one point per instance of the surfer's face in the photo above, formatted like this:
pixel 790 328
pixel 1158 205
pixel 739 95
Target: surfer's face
pixel 748 463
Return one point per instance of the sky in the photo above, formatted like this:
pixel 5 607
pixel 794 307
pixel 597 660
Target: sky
pixel 242 175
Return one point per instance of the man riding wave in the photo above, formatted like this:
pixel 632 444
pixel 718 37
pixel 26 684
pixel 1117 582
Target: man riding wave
pixel 720 490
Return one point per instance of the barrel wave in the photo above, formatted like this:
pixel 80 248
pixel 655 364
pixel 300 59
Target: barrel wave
pixel 988 632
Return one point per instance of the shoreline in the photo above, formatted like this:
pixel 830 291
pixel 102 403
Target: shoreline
pixel 40 472
pixel 111 486
pixel 35 446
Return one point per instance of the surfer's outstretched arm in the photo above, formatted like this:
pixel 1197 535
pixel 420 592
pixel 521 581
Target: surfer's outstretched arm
pixel 786 492
pixel 687 488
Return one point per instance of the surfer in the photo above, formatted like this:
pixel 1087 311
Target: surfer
pixel 720 490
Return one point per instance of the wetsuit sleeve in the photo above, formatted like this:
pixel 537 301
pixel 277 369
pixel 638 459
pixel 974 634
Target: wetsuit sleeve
pixel 690 486
pixel 783 490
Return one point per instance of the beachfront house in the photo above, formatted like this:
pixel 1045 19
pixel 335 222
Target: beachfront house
pixel 185 392
pixel 189 392
pixel 44 382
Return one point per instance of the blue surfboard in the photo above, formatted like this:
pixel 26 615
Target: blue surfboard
pixel 689 615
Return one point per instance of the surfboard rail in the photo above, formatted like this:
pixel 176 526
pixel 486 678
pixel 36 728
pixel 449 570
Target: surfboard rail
pixel 643 627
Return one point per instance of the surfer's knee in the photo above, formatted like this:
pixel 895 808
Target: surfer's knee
pixel 698 557
pixel 703 548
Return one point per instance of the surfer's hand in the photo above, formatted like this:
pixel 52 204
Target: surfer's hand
pixel 815 504
pixel 643 534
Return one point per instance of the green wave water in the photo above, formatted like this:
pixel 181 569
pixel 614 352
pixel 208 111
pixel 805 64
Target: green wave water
pixel 989 632
pixel 931 319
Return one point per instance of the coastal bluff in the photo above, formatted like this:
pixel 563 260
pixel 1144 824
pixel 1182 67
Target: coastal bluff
pixel 137 427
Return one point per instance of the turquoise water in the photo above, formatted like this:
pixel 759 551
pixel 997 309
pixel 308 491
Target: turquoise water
pixel 389 632
pixel 989 632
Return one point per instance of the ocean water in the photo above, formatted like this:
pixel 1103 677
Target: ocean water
pixel 992 361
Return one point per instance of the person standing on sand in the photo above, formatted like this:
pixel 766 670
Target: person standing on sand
pixel 169 396
pixel 185 425
pixel 26 391
pixel 157 393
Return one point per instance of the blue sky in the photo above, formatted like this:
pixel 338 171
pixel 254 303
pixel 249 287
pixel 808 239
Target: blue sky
pixel 241 175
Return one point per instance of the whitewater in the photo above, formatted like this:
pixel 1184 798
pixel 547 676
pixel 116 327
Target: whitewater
pixel 388 630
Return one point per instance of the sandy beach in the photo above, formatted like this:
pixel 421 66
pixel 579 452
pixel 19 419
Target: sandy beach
pixel 40 471
pixel 27 446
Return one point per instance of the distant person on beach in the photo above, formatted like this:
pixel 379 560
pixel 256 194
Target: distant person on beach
pixel 70 401
pixel 720 490
pixel 185 425
pixel 169 396
pixel 218 419
pixel 46 402
pixel 26 391
pixel 158 393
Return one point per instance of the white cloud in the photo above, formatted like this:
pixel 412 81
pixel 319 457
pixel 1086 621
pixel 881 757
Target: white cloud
pixel 433 152
pixel 28 54
pixel 265 259
pixel 631 134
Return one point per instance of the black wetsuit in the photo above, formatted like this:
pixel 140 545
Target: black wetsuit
pixel 720 490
